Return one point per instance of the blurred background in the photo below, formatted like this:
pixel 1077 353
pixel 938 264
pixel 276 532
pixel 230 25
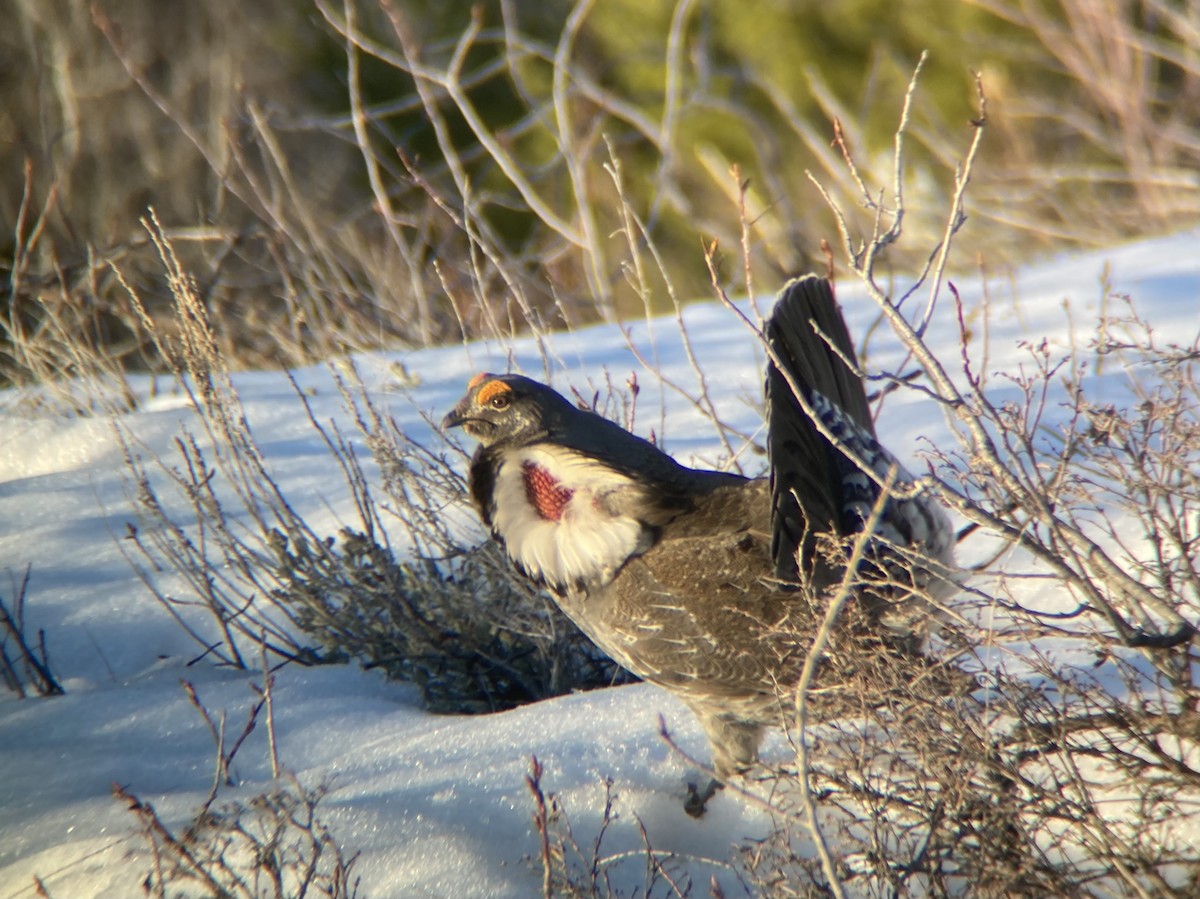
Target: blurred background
pixel 339 176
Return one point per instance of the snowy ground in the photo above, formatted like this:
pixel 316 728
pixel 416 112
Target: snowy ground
pixel 436 804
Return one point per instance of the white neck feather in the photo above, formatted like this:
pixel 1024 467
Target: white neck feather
pixel 588 542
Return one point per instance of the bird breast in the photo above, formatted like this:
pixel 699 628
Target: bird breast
pixel 556 512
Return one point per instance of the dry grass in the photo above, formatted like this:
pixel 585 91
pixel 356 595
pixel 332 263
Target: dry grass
pixel 487 178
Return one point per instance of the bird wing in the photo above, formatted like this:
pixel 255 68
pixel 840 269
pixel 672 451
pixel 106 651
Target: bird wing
pixel 701 607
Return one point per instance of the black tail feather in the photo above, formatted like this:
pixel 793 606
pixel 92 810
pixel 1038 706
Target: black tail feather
pixel 806 469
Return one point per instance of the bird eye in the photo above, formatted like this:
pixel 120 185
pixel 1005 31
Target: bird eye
pixel 499 401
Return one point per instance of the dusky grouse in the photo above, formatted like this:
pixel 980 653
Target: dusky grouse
pixel 704 582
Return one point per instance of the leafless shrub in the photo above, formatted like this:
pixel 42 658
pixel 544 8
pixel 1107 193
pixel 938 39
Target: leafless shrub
pixel 271 846
pixel 225 751
pixel 217 519
pixel 212 119
pixel 24 664
pixel 56 332
pixel 1125 74
pixel 1068 766
pixel 593 870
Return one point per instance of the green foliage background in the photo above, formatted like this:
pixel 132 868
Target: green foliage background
pixel 234 122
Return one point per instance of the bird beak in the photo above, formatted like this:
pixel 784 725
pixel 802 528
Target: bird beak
pixel 460 414
pixel 466 412
pixel 454 417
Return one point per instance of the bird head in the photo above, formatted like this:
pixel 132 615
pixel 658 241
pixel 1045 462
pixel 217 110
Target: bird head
pixel 507 409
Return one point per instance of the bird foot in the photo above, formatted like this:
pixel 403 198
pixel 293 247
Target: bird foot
pixel 696 800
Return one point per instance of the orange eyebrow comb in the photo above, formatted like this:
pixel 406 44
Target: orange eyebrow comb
pixel 490 390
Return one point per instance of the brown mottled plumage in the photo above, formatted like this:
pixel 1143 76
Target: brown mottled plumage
pixel 687 577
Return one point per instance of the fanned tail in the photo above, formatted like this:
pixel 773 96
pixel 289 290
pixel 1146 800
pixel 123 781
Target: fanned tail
pixel 827 478
pixel 808 338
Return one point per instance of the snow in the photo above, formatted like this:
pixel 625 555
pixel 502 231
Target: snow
pixel 437 805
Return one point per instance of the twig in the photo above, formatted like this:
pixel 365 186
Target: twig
pixel 541 820
pixel 843 593
pixel 36 662
pixel 268 697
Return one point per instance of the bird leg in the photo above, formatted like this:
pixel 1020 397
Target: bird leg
pixel 696 800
